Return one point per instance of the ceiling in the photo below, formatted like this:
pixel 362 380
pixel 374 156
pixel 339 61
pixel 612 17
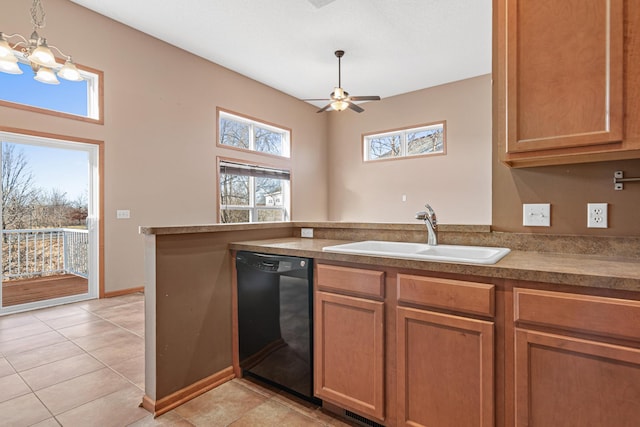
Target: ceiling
pixel 391 46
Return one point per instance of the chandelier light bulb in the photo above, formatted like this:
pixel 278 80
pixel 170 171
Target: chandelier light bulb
pixel 46 75
pixel 9 65
pixel 5 49
pixel 43 56
pixel 70 72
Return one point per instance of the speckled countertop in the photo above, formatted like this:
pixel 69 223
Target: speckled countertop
pixel 556 268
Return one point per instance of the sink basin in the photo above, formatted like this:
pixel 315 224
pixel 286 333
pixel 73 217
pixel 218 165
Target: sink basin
pixel 422 251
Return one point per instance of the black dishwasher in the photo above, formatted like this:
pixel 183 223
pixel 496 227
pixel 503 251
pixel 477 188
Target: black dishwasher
pixel 275 320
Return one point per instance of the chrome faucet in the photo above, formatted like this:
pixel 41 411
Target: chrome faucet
pixel 429 218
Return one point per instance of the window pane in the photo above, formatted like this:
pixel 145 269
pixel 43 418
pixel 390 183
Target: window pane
pixel 269 192
pixel 384 147
pixel 66 97
pixel 234 215
pixel 234 190
pixel 424 141
pixel 268 141
pixel 266 215
pixel 234 133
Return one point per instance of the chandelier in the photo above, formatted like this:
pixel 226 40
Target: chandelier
pixel 37 52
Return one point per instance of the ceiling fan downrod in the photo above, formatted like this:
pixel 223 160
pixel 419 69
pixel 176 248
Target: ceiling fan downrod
pixel 339 54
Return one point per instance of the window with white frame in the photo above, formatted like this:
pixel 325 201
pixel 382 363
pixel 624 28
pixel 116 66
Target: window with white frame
pixel 74 99
pixel 251 135
pixel 409 142
pixel 252 193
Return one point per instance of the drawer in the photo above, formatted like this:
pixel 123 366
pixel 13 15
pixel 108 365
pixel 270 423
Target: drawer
pixel 455 295
pixel 356 281
pixel 582 313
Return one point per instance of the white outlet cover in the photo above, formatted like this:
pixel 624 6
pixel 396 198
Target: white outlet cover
pixel 123 214
pixel 536 215
pixel 597 215
pixel 306 232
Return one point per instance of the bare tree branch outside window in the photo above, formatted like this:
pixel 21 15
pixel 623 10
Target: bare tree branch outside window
pixel 429 139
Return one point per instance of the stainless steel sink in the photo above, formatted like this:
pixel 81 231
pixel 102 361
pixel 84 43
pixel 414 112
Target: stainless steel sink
pixel 422 251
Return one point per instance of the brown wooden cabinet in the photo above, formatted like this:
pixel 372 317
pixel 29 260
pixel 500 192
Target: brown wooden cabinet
pixel 408 349
pixel 560 77
pixel 445 372
pixel 349 340
pixel 577 361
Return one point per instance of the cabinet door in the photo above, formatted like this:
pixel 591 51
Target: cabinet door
pixel 564 381
pixel 445 370
pixel 349 353
pixel 564 65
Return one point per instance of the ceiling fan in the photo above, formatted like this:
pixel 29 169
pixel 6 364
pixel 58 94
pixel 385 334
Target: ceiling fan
pixel 340 99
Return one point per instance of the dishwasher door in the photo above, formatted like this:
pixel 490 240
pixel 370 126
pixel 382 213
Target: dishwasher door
pixel 275 320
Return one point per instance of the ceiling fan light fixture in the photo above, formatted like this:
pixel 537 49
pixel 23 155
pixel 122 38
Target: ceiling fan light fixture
pixel 339 105
pixel 338 93
pixel 339 99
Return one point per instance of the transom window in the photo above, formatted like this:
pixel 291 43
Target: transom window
pixel 409 142
pixel 73 99
pixel 252 193
pixel 251 135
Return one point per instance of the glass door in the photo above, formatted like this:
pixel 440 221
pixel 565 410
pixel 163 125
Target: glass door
pixel 49 222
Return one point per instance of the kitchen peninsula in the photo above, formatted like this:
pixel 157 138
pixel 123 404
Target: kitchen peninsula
pixel 549 292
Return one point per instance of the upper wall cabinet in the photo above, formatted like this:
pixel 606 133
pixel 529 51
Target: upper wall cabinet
pixel 559 68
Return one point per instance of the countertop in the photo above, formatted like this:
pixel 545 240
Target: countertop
pixel 556 268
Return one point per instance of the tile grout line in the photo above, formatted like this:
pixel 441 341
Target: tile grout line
pixel 85 352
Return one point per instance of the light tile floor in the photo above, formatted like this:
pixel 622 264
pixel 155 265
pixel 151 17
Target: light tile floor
pixel 82 364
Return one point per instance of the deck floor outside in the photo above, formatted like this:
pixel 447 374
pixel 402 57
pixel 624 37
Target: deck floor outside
pixel 23 291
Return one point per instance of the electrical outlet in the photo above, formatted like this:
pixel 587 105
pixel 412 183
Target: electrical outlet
pixel 597 215
pixel 306 232
pixel 123 214
pixel 536 215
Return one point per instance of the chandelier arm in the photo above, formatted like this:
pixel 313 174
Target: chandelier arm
pixel 8 36
pixel 67 57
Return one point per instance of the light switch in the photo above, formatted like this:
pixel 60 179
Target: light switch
pixel 536 215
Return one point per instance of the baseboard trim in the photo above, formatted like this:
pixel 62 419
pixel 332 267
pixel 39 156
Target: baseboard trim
pixel 123 292
pixel 167 403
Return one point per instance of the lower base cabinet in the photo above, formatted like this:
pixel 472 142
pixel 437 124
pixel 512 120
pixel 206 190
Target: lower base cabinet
pixel 445 370
pixel 568 369
pixel 349 339
pixel 412 350
pixel 565 381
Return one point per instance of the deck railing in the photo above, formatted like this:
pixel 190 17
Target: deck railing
pixel 44 252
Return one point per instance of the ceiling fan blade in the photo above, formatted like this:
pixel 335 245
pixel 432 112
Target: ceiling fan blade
pixel 365 98
pixel 355 107
pixel 316 99
pixel 325 108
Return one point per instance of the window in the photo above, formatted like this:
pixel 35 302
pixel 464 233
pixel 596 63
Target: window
pixel 79 100
pixel 251 135
pixel 418 141
pixel 251 193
